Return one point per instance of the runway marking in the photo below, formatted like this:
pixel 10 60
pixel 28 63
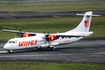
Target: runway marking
pixel 3 51
pixel 96 53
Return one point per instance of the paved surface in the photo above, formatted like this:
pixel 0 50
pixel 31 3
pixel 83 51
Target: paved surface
pixel 84 51
pixel 6 15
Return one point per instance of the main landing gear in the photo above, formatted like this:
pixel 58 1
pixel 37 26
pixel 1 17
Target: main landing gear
pixel 50 47
pixel 53 48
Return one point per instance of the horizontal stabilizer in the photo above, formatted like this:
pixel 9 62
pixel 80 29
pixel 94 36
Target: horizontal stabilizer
pixel 87 14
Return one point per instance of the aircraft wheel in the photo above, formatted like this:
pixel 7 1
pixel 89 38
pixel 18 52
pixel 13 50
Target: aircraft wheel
pixel 39 48
pixel 53 48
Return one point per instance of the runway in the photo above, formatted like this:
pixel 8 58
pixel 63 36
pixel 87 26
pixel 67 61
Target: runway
pixel 83 51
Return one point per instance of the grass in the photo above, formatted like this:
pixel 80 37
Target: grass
pixel 52 7
pixel 8 65
pixel 52 25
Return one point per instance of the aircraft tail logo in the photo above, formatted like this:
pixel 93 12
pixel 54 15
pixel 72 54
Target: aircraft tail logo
pixel 86 23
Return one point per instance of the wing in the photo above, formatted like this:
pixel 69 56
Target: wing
pixel 79 34
pixel 69 36
pixel 21 33
pixel 56 36
pixel 13 31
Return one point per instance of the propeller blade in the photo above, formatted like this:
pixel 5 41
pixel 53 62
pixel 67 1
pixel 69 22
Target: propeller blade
pixel 20 33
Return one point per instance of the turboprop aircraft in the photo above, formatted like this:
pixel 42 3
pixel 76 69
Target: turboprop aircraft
pixel 42 40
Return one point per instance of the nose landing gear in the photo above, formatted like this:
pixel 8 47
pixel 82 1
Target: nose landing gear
pixel 9 51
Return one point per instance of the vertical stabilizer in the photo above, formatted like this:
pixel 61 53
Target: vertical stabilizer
pixel 84 25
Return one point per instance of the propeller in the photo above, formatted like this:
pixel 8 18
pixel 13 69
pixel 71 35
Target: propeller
pixel 46 36
pixel 47 39
pixel 20 33
pixel 50 38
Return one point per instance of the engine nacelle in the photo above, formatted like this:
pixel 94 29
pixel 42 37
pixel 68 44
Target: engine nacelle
pixel 52 37
pixel 26 35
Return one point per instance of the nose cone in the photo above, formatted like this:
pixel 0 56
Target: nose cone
pixel 7 46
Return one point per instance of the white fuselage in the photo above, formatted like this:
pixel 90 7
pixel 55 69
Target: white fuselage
pixel 36 41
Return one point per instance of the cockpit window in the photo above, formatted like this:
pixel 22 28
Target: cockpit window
pixel 11 42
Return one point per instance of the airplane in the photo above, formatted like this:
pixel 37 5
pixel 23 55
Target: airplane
pixel 44 40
